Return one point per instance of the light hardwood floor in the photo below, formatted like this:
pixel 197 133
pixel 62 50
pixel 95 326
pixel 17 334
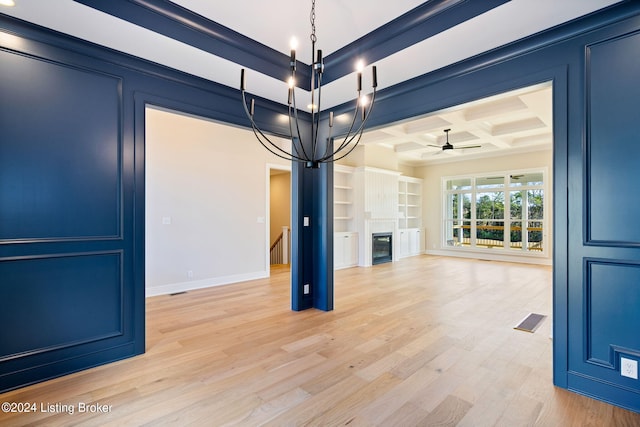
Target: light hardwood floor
pixel 425 341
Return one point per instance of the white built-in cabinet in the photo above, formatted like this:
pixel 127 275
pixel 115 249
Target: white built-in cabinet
pixel 345 238
pixel 377 209
pixel 369 200
pixel 410 216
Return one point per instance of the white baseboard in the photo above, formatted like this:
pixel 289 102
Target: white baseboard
pixel 491 257
pixel 171 288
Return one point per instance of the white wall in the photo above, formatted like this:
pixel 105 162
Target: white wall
pixel 432 198
pixel 210 180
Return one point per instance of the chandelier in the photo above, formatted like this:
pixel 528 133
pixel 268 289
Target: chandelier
pixel 308 150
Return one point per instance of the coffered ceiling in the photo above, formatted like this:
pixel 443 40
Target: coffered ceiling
pixel 513 122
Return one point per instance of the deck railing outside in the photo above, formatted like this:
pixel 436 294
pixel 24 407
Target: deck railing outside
pixel 496 243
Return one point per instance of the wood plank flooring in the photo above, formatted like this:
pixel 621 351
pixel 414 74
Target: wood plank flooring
pixel 426 341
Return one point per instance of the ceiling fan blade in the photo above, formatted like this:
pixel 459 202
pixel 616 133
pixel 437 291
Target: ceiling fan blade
pixel 468 146
pixel 435 146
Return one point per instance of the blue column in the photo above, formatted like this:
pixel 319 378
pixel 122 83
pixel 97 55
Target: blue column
pixel 312 237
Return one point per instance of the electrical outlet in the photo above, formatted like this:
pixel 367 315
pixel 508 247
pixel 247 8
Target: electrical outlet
pixel 629 368
pixel 306 289
pixel 190 274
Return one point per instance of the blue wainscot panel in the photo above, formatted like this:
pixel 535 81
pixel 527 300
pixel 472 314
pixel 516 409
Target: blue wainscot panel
pixel 612 319
pixel 613 144
pixel 53 302
pixel 611 285
pixel 60 151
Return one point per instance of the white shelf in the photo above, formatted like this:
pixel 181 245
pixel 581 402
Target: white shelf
pixel 343 209
pixel 345 237
pixel 410 204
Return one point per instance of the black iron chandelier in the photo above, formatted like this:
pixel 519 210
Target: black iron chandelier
pixel 311 153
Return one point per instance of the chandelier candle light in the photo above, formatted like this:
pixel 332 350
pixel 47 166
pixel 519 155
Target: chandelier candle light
pixel 301 150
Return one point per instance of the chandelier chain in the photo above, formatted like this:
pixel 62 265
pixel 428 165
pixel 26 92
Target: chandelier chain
pixel 312 18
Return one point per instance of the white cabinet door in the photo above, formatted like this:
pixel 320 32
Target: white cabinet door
pixel 345 250
pixel 403 250
pixel 410 242
pixel 338 250
pixel 414 241
pixel 351 254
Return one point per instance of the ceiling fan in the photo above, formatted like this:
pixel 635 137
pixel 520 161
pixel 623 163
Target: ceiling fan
pixel 447 145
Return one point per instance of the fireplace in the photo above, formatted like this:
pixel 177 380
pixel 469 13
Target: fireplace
pixel 381 248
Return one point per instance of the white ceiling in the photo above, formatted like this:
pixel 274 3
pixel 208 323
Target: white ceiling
pixel 338 22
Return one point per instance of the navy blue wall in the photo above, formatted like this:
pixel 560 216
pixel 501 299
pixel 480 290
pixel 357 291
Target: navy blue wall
pixel 72 196
pixel 604 290
pixel 593 66
pixel 68 248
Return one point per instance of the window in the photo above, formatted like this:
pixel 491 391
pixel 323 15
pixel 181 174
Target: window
pixel 501 211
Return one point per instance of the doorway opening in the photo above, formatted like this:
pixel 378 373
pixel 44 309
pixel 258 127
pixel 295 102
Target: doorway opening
pixel 486 168
pixel 279 199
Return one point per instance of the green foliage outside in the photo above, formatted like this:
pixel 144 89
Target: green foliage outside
pixel 490 214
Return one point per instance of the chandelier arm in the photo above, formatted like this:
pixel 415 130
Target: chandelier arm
pixel 291 128
pixel 317 115
pixel 290 123
pixel 295 115
pixel 313 79
pixel 298 148
pixel 291 158
pixel 328 149
pixel 353 122
pixel 351 137
pixel 333 157
pixel 362 124
pixel 258 132
pixel 344 142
